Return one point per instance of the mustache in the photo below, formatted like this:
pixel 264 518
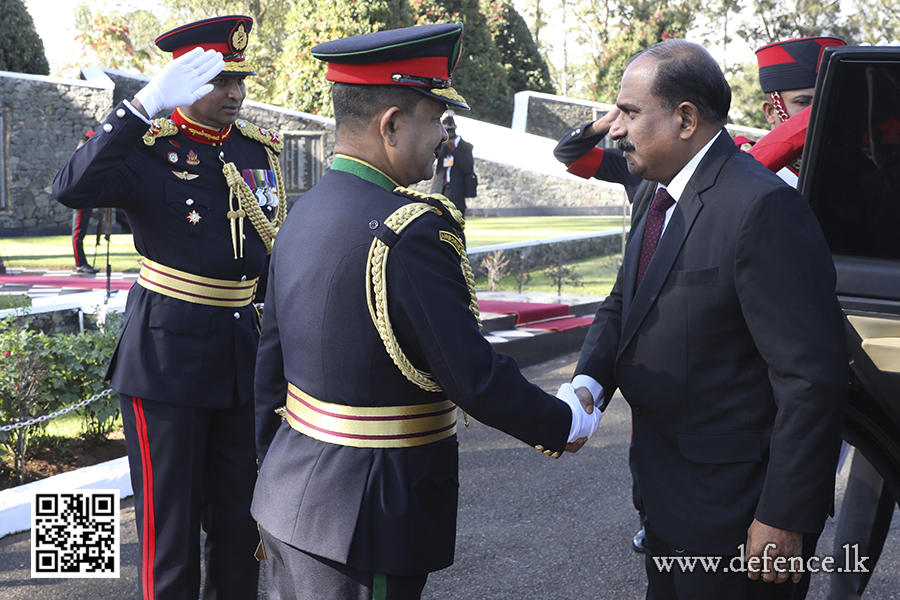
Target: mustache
pixel 625 145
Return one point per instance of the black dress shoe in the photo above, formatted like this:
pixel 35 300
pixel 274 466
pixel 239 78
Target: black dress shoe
pixel 638 542
pixel 87 269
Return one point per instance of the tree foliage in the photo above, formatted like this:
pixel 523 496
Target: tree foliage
pixel 479 75
pixel 21 48
pixel 301 77
pixel 106 40
pixel 775 20
pixel 641 31
pixel 527 69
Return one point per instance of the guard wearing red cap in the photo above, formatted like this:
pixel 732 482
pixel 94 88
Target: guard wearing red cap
pixel 371 340
pixel 787 74
pixel 202 192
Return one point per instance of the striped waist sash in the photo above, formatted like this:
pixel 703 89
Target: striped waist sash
pixel 193 288
pixel 370 426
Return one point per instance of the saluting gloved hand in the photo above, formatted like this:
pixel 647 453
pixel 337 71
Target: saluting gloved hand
pixel 181 82
pixel 584 423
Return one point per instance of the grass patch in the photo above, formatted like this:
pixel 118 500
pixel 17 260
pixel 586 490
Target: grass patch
pixel 598 275
pixel 55 252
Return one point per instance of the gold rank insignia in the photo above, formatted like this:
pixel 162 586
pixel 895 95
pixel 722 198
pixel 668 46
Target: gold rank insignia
pixel 194 217
pixel 192 159
pixel 185 175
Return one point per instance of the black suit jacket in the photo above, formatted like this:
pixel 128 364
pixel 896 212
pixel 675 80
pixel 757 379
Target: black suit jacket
pixel 390 510
pixel 732 356
pixel 463 182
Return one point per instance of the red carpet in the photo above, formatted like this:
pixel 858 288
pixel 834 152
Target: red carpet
pixel 562 324
pixel 85 283
pixel 525 311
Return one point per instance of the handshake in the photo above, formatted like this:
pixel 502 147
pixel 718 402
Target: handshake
pixel 585 415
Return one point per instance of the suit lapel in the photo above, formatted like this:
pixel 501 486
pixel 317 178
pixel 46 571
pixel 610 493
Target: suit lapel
pixel 637 303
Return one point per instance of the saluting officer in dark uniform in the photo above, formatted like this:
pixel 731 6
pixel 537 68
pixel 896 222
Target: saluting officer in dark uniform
pixel 202 192
pixel 371 340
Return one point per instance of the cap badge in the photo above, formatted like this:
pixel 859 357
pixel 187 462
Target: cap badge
pixel 239 38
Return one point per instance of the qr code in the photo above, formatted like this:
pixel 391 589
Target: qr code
pixel 75 534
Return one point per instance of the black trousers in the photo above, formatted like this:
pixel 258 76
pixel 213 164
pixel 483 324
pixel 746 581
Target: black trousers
pixel 292 574
pixel 719 584
pixel 193 468
pixel 80 221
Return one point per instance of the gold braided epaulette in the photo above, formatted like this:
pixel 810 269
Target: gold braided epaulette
pixel 546 452
pixel 264 136
pixel 440 199
pixel 159 128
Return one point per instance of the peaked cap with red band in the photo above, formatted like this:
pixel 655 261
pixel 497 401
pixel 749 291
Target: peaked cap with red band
pixel 421 57
pixel 792 64
pixel 228 35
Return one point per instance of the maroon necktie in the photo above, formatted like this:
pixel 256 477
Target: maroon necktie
pixel 656 216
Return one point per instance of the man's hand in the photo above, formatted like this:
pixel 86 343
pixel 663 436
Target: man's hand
pixel 585 419
pixel 769 551
pixel 181 82
pixel 601 126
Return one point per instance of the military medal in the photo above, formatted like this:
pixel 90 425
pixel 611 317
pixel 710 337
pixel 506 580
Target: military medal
pixel 193 217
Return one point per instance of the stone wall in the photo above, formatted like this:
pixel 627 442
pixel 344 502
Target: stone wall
pixel 45 119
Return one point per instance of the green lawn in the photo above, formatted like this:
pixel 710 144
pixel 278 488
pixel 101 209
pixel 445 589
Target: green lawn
pixel 55 252
pixel 597 274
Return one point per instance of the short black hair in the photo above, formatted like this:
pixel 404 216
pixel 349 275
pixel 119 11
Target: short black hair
pixel 355 105
pixel 686 72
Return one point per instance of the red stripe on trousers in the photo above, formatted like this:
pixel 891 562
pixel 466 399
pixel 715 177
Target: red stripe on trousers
pixel 148 550
pixel 78 226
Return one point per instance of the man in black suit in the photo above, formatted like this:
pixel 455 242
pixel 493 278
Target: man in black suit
pixel 454 176
pixel 727 341
pixel 371 339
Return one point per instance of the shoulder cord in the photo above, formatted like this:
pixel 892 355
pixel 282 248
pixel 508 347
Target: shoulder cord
pixel 376 292
pixel 248 206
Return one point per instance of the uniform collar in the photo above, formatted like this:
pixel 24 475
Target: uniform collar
pixel 363 170
pixel 200 133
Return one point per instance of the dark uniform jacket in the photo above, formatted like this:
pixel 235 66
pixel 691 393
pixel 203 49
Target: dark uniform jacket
pixel 389 511
pixel 463 181
pixel 580 154
pixel 732 356
pixel 176 199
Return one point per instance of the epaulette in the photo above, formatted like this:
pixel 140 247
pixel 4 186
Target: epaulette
pixel 444 206
pixel 159 128
pixel 263 136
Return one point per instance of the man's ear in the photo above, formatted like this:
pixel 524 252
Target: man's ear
pixel 387 124
pixel 769 111
pixel 690 119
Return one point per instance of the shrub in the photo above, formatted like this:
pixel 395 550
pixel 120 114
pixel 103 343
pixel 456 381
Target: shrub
pixel 41 373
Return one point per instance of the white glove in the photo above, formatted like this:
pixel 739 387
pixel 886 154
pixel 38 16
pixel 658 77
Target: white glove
pixel 181 82
pixel 583 424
